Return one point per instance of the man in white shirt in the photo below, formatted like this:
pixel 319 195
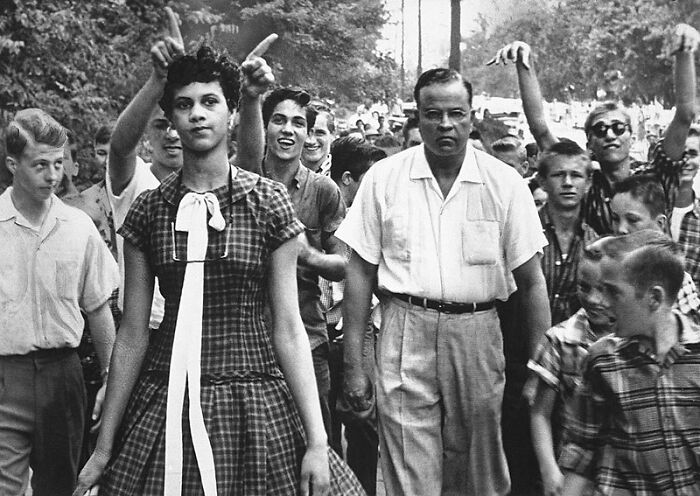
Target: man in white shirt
pixel 445 230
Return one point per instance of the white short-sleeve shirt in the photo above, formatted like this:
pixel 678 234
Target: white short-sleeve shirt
pixel 142 180
pixel 48 276
pixel 461 248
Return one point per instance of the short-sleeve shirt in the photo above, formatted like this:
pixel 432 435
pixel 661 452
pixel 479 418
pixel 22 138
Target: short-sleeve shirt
pixel 635 420
pixel 49 275
pixel 142 180
pixel 461 248
pixel 319 206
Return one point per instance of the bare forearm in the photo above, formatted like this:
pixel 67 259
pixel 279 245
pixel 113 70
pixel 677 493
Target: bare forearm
pixel 294 356
pixel 251 135
pixel 537 315
pixel 684 81
pixel 542 441
pixel 357 299
pixel 531 96
pixel 328 265
pixel 103 333
pixel 127 359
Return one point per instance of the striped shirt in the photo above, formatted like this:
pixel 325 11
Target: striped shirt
pixel 635 423
pixel 561 267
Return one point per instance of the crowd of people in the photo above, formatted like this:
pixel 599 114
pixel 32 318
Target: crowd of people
pixel 295 313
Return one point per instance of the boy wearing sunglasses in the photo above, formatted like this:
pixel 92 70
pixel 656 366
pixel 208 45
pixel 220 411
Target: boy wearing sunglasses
pixel 608 127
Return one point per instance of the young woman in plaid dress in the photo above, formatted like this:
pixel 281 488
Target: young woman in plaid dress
pixel 255 427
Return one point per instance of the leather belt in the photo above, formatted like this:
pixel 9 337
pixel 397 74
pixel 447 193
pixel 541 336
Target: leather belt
pixel 444 306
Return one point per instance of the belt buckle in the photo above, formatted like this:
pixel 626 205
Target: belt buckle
pixel 473 307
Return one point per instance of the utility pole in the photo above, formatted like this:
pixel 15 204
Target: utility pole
pixel 420 38
pixel 455 35
pixel 403 47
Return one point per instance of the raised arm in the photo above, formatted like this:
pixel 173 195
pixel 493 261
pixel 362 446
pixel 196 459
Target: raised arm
pixel 520 53
pixel 684 45
pixel 127 358
pixel 256 78
pixel 134 119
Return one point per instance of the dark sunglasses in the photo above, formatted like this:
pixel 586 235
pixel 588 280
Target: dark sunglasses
pixel 600 130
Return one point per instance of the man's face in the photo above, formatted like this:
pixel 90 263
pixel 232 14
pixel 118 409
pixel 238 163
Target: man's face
pixel 286 131
pixel 38 171
pixel 692 150
pixel 444 118
pixel 413 138
pixel 607 145
pixel 566 182
pixel 631 215
pixel 70 166
pixel 201 116
pixel 167 149
pixel 101 154
pixel 620 299
pixel 590 293
pixel 318 142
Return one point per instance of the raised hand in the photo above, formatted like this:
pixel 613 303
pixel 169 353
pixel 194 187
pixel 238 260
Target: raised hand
pixel 518 51
pixel 171 47
pixel 685 39
pixel 256 75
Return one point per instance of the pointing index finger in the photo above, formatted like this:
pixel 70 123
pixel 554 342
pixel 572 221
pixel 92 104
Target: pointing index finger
pixel 262 47
pixel 173 25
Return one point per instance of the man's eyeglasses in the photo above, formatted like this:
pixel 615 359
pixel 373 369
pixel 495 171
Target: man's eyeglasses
pixel 600 130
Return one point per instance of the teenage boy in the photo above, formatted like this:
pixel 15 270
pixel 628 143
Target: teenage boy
pixel 638 203
pixel 608 127
pixel 565 175
pixel 319 205
pixel 53 265
pixel 634 420
pixel 316 154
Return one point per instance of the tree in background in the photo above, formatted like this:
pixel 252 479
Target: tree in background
pixel 83 61
pixel 581 46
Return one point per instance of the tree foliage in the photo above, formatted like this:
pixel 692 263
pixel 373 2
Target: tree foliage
pixel 83 61
pixel 581 47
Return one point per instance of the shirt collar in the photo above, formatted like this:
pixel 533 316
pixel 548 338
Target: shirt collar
pixel 8 211
pixel 696 207
pixel 242 182
pixel 689 334
pixel 469 172
pixel 300 176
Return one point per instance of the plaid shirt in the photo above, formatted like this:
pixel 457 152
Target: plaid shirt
pixel 596 209
pixel 560 271
pixel 689 239
pixel 558 365
pixel 688 301
pixel 635 426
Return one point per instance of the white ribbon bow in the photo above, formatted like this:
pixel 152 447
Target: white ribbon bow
pixel 185 362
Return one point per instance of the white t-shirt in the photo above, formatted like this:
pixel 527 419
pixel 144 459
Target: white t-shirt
pixel 677 219
pixel 142 180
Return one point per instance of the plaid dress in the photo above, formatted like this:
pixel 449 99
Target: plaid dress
pixel 255 431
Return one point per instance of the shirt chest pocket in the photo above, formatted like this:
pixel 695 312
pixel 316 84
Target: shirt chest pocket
pixel 395 233
pixel 481 242
pixel 13 281
pixel 60 276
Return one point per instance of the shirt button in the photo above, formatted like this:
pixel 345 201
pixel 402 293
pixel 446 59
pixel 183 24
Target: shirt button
pixel 557 263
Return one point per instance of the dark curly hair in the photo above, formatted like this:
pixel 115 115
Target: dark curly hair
pixel 206 66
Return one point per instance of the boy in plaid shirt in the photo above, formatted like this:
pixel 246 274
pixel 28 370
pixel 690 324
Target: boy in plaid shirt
pixel 635 424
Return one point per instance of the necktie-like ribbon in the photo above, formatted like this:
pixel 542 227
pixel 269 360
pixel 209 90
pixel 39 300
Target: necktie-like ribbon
pixel 185 362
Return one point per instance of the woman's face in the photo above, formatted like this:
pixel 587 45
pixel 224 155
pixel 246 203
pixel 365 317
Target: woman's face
pixel 200 115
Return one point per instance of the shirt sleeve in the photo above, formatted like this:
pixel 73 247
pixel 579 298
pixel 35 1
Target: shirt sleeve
pixel 585 420
pixel 545 366
pixel 361 229
pixel 135 229
pixel 332 206
pixel 522 232
pixel 668 171
pixel 282 223
pixel 100 273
